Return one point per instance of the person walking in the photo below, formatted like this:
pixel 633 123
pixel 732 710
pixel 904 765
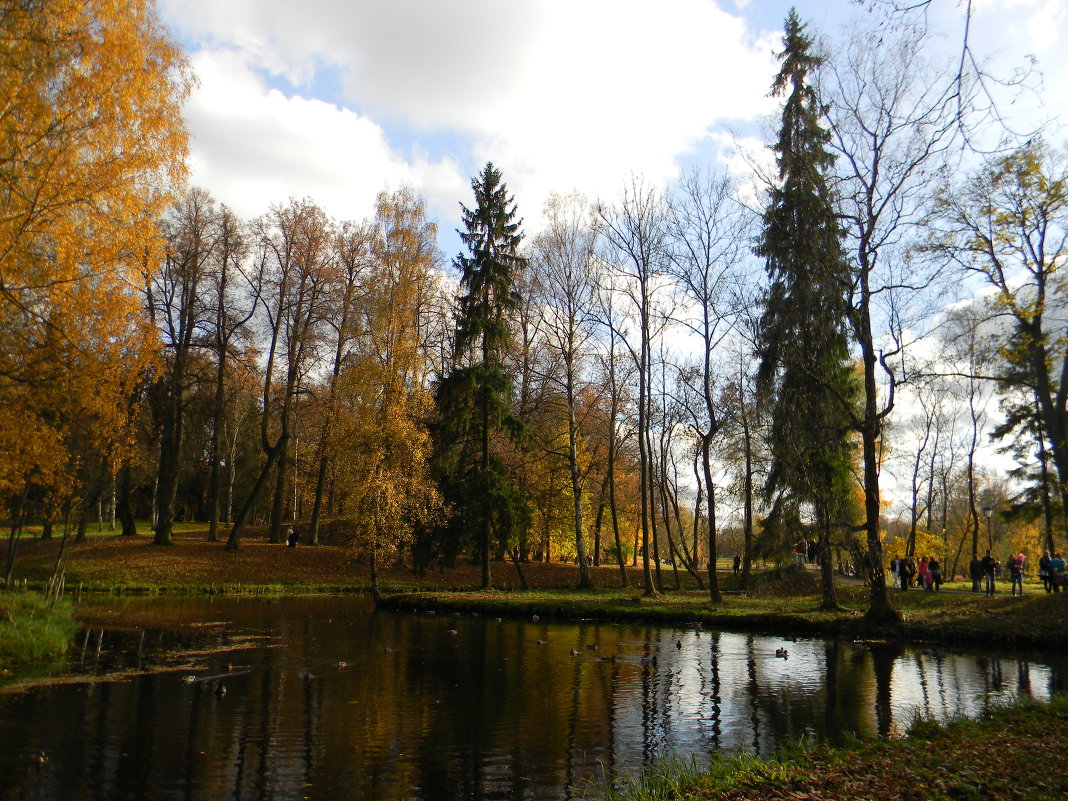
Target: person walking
pixel 1045 572
pixel 1016 570
pixel 1056 572
pixel 989 567
pixel 925 574
pixel 907 568
pixel 935 570
pixel 737 564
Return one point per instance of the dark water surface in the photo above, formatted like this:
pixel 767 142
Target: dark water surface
pixel 328 699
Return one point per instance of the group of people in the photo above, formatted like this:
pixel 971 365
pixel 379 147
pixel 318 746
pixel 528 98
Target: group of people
pixel 927 573
pixel 1051 572
pixel 807 552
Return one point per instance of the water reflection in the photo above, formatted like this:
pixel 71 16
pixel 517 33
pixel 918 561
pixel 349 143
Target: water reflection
pixel 326 699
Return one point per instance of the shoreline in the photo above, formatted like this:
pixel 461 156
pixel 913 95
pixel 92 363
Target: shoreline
pixel 569 605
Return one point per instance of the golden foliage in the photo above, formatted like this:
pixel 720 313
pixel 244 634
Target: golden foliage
pixel 379 439
pixel 91 140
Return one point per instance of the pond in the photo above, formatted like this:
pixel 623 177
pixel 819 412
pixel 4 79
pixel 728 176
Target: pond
pixel 325 698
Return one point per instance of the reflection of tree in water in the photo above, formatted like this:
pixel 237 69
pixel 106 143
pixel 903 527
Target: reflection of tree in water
pixel 883 656
pixel 484 713
pixel 752 687
pixel 710 689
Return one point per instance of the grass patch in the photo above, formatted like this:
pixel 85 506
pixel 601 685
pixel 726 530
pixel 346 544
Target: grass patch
pixel 31 631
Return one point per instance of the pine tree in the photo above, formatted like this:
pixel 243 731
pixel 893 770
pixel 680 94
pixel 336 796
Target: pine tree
pixel 804 353
pixel 474 400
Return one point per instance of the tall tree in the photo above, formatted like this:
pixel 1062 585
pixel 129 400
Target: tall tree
pixel 378 432
pixel 476 396
pixel 895 116
pixel 706 235
pixel 1009 225
pixel 635 231
pixel 804 355
pixel 564 259
pixel 294 242
pixel 85 178
pixel 234 293
pixel 176 304
pixel 353 259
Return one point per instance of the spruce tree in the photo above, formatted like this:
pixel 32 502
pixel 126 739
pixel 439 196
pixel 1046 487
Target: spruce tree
pixel 474 399
pixel 804 352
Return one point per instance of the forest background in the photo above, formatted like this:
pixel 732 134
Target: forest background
pixel 582 388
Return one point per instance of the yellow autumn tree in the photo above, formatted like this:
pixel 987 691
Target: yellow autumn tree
pixel 91 142
pixel 380 442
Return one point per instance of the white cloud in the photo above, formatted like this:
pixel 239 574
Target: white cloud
pixel 253 146
pixel 559 95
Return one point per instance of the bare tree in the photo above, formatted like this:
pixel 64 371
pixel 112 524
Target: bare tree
pixel 894 120
pixel 234 292
pixel 175 302
pixel 707 235
pixel 634 228
pixel 294 246
pixel 564 258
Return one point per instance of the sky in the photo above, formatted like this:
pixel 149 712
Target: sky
pixel 337 100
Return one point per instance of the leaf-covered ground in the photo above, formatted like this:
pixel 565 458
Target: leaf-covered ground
pixel 109 561
pixel 1016 753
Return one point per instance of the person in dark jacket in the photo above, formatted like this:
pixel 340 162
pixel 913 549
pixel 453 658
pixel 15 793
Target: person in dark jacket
pixel 935 570
pixel 990 566
pixel 975 571
pixel 1045 572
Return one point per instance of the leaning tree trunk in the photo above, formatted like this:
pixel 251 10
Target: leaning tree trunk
pixel 245 514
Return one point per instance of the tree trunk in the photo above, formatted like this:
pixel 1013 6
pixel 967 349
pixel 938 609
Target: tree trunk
pixel 879 608
pixel 598 522
pixel 747 554
pixel 714 595
pixel 830 593
pixel 320 486
pixel 169 456
pixel 278 498
pixel 122 506
pixel 375 593
pixel 576 483
pixel 214 478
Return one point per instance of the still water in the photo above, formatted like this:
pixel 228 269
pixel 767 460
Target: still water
pixel 329 699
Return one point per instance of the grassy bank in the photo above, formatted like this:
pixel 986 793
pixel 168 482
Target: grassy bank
pixel 996 756
pixel 1035 620
pixel 32 631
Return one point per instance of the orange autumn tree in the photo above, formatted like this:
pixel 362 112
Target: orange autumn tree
pixel 91 140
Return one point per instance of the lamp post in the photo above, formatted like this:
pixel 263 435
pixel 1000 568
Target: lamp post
pixel 989 511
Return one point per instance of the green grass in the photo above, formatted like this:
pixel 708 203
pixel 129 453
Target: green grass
pixel 31 631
